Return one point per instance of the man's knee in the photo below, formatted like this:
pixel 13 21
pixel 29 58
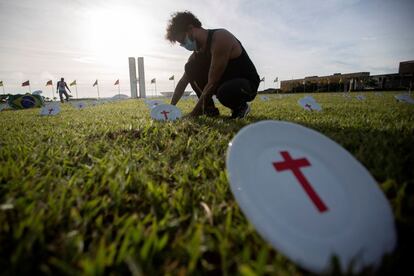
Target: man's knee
pixel 190 69
pixel 240 87
pixel 234 92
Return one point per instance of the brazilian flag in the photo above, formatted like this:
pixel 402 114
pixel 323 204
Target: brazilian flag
pixel 20 101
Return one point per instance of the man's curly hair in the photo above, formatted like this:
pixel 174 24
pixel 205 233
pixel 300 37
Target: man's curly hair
pixel 179 23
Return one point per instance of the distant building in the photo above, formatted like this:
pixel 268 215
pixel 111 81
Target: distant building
pixel 398 81
pixel 402 80
pixel 406 68
pixel 335 82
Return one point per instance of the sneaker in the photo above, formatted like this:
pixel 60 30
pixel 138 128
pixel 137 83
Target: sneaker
pixel 241 112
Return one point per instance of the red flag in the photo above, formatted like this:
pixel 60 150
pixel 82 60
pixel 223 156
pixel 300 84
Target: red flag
pixel 26 83
pixel 117 82
pixel 96 83
pixel 49 83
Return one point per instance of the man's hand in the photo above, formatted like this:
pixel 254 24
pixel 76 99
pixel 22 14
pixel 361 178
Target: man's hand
pixel 203 100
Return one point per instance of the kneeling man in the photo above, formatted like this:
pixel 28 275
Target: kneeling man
pixel 219 65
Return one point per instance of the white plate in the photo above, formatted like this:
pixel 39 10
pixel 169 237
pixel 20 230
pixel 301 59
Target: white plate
pixel 79 105
pixel 308 103
pixel 310 98
pixel 50 109
pixel 4 106
pixel 404 98
pixel 216 101
pixel 165 112
pixel 348 217
pixel 360 97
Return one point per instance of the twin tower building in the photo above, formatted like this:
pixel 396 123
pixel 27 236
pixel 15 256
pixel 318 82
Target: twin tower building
pixel 133 77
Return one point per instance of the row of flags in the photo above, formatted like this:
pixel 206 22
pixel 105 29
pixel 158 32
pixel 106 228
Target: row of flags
pixel 172 78
pixel 275 80
pixel 154 80
pixel 50 82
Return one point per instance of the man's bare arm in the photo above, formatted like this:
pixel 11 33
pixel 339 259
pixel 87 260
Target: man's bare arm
pixel 67 87
pixel 179 89
pixel 221 50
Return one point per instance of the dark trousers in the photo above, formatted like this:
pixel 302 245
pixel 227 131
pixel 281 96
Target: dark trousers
pixel 233 93
pixel 61 93
pixel 236 93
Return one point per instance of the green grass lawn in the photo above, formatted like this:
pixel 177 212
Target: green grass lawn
pixel 106 190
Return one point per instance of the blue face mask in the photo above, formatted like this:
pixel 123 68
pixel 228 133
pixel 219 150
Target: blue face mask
pixel 189 44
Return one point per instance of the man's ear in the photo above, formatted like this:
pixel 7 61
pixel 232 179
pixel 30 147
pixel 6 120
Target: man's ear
pixel 190 30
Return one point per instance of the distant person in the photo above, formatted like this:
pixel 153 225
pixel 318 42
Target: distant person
pixel 218 66
pixel 61 88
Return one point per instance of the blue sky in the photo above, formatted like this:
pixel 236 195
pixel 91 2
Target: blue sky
pixel 88 40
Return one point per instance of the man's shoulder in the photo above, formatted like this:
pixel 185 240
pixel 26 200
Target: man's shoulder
pixel 222 34
pixel 223 37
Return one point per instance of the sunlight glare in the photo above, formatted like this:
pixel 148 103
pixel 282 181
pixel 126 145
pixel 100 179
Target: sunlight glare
pixel 114 34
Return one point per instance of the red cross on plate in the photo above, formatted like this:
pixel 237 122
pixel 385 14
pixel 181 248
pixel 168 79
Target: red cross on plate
pixel 165 114
pixel 294 165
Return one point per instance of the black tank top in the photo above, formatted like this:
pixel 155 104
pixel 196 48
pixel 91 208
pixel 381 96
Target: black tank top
pixel 239 67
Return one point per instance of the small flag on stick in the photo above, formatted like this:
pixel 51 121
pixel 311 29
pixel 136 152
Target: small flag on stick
pixel 27 83
pixel 50 83
pixel 276 79
pixel 119 87
pixel 264 82
pixel 73 83
pixel 1 83
pixel 154 81
pixel 173 79
pixel 97 87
